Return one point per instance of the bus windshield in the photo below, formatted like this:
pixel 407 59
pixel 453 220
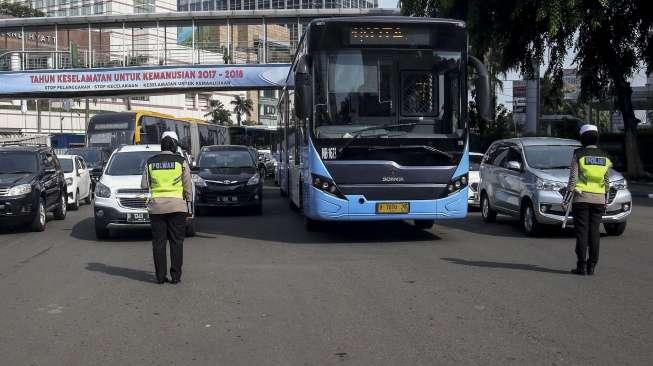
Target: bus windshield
pixel 359 89
pixel 111 130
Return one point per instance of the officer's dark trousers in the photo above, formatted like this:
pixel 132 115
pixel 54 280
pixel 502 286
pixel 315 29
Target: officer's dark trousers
pixel 587 223
pixel 171 228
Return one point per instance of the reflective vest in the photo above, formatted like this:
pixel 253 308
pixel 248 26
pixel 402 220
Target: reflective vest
pixel 165 172
pixel 593 165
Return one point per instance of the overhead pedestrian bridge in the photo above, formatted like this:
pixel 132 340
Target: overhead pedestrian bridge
pixel 106 55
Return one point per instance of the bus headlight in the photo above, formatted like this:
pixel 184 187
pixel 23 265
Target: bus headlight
pixel 326 185
pixel 102 191
pixel 456 185
pixel 199 181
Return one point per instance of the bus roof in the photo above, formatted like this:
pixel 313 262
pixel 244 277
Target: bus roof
pixel 391 20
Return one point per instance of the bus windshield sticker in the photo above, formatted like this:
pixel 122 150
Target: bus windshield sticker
pixel 110 126
pixel 329 153
pixel 101 138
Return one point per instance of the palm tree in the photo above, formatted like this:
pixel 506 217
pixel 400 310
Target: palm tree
pixel 242 106
pixel 218 113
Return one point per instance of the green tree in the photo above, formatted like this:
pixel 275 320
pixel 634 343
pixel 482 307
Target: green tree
pixel 218 113
pixel 19 10
pixel 242 106
pixel 612 38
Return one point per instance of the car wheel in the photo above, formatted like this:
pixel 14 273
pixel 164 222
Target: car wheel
pixel 529 222
pixel 424 224
pixel 39 220
pixel 60 212
pixel 101 231
pixel 488 214
pixel 615 229
pixel 75 205
pixel 190 228
pixel 258 209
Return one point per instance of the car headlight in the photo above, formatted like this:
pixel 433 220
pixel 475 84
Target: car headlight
pixel 19 190
pixel 254 180
pixel 619 184
pixel 102 191
pixel 199 181
pixel 69 181
pixel 549 185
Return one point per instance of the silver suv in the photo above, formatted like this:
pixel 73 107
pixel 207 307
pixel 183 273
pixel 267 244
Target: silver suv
pixel 527 178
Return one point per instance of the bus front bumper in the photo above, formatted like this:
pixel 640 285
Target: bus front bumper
pixel 326 207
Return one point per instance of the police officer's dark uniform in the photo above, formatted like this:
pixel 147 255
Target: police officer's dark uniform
pixel 589 182
pixel 167 175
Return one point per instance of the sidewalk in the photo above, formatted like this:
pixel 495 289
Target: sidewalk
pixel 641 190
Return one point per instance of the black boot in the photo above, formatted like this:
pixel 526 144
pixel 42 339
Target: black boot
pixel 590 268
pixel 580 269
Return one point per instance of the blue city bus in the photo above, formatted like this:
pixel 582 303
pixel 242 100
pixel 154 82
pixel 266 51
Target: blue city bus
pixel 374 120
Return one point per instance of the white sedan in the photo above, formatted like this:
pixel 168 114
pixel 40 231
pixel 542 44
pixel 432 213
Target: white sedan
pixel 78 179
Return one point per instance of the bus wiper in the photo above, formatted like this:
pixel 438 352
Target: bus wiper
pixel 426 147
pixel 358 133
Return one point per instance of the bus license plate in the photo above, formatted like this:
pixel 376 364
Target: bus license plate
pixel 393 208
pixel 138 217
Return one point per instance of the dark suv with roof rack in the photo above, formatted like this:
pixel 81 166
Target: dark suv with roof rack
pixel 31 185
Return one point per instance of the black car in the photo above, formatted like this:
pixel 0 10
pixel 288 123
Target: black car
pixel 95 158
pixel 227 176
pixel 31 184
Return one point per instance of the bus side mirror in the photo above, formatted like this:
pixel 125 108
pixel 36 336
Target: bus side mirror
pixel 303 89
pixel 482 88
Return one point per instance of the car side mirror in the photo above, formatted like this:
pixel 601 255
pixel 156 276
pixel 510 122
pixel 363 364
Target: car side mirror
pixel 303 89
pixel 514 165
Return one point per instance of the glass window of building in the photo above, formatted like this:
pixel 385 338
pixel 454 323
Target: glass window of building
pixel 236 5
pixel 221 4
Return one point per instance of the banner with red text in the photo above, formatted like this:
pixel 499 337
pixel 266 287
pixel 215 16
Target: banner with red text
pixel 138 80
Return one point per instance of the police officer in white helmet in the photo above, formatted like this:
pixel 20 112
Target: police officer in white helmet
pixel 587 192
pixel 167 176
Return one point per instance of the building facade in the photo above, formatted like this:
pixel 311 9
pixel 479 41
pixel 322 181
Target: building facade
pixel 203 44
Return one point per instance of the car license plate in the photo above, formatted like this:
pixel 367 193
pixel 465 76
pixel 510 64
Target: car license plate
pixel 227 198
pixel 138 217
pixel 393 208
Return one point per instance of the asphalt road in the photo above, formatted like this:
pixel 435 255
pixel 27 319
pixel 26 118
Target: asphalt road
pixel 262 291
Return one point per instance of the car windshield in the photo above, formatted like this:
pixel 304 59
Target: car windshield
pixel 475 162
pixel 17 162
pixel 226 159
pixel 92 156
pixel 362 89
pixel 129 163
pixel 550 156
pixel 66 165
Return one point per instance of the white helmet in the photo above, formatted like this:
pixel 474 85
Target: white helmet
pixel 170 134
pixel 588 128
